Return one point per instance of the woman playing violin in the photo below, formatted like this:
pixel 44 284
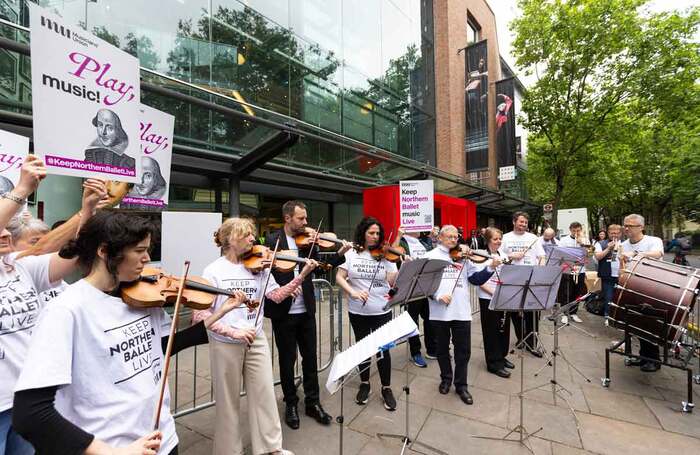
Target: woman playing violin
pixel 367 281
pixel 99 359
pixel 238 346
pixel 495 325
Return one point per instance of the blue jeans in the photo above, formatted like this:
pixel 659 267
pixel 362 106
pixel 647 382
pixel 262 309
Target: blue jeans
pixel 608 290
pixel 12 443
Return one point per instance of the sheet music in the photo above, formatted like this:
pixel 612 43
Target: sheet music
pixel 392 332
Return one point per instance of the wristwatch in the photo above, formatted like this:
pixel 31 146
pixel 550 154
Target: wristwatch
pixel 14 198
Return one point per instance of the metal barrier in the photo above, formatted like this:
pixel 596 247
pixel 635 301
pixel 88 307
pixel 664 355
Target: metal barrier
pixel 190 380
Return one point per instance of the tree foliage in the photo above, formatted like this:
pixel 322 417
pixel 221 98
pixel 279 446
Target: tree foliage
pixel 613 112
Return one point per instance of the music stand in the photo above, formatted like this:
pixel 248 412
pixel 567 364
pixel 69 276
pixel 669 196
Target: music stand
pixel 417 280
pixel 524 288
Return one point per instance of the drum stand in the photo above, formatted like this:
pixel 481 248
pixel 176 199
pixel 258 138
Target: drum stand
pixel 686 406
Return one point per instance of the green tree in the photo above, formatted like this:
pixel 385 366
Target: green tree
pixel 142 48
pixel 592 58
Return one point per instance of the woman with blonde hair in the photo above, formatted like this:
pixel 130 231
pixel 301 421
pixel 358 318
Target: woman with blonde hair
pixel 239 350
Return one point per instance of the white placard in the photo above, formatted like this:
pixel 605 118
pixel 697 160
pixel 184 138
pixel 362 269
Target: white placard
pixel 189 236
pixel 13 150
pixel 506 173
pixel 416 202
pixel 85 101
pixel 156 154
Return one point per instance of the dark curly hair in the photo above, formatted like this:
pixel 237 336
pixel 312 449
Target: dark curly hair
pixel 362 228
pixel 116 231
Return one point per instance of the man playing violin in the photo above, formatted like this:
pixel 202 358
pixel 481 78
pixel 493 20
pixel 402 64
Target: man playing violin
pixel 294 319
pixel 450 311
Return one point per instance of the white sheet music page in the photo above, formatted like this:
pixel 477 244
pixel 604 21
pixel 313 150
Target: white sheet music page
pixel 392 332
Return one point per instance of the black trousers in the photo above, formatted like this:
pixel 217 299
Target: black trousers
pixel 363 325
pixel 421 308
pixel 532 326
pixel 460 334
pixel 495 328
pixel 292 331
pixel 570 290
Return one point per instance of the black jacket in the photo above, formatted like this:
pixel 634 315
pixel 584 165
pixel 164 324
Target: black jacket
pixel 279 310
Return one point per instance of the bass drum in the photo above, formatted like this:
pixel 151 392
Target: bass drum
pixel 651 292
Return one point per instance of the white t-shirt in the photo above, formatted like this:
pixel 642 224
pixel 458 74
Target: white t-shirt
pixel 460 307
pixel 224 274
pixel 568 241
pixel 107 361
pixel 360 268
pixel 612 258
pixel 493 281
pixel 298 305
pixel 52 293
pixel 513 243
pixel 646 244
pixel 19 311
pixel 415 248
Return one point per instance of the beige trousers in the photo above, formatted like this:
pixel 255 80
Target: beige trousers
pixel 233 365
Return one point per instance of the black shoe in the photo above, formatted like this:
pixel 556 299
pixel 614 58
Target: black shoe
pixel 535 352
pixel 363 394
pixel 465 396
pixel 633 362
pixel 508 364
pixel 291 416
pixel 503 373
pixel 317 412
pixel 389 400
pixel 649 367
pixel 444 387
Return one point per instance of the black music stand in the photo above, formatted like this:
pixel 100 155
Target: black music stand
pixel 417 280
pixel 524 288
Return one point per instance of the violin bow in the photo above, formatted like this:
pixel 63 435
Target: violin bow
pixel 313 244
pixel 376 269
pixel 264 290
pixel 171 340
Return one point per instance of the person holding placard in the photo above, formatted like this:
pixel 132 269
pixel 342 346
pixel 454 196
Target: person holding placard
pixel 22 278
pixel 366 281
pixel 450 311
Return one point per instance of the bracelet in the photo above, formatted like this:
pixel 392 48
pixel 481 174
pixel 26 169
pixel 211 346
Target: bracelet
pixel 14 198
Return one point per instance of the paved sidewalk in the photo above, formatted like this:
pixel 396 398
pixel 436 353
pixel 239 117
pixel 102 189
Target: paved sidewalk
pixel 638 414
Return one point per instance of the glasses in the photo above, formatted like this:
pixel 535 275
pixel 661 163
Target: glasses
pixel 630 226
pixel 451 237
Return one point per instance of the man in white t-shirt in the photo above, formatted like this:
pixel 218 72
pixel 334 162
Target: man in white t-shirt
pixel 410 242
pixel 524 248
pixel 640 245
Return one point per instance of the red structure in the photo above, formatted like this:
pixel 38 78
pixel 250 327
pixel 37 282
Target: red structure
pixel 382 202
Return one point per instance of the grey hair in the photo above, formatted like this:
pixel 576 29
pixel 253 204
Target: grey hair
pixel 19 225
pixel 447 227
pixel 634 216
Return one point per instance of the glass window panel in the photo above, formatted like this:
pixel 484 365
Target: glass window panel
pixel 274 10
pixel 396 37
pixel 318 21
pixel 361 33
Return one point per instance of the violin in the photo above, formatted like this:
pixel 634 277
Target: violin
pixel 326 241
pixel 156 289
pixel 388 252
pixel 260 256
pixel 476 256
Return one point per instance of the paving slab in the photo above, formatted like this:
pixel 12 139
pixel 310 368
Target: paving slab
pixel 609 436
pixel 558 423
pixel 619 406
pixel 673 419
